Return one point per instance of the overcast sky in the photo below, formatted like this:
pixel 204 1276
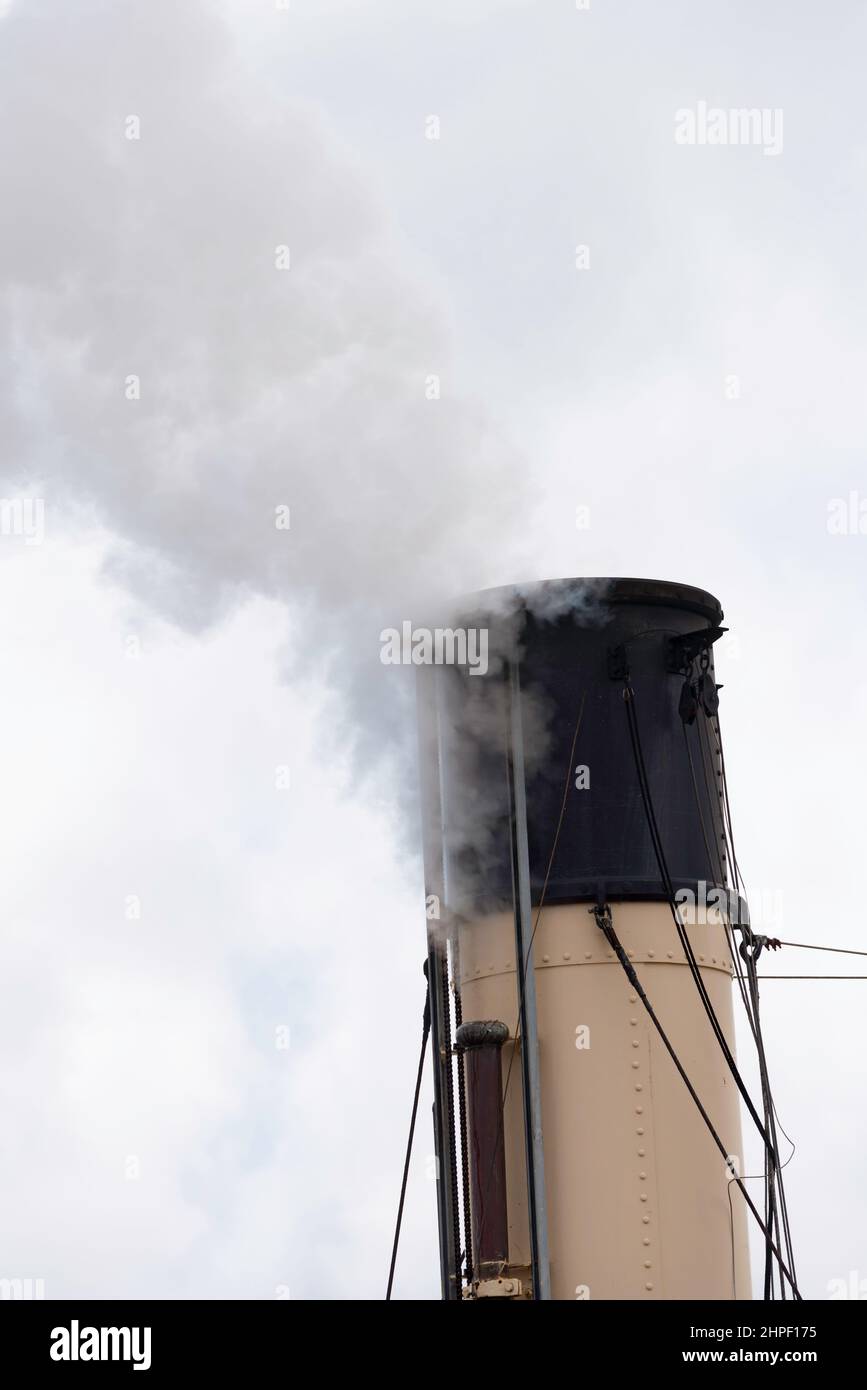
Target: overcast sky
pixel 232 265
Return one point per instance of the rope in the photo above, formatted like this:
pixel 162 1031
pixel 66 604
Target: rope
pixel 765 1126
pixel 605 923
pixel 838 950
pixel 644 786
pixel 425 1030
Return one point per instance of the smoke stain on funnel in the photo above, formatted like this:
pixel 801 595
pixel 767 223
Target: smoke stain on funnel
pixel 561 637
pixel 472 737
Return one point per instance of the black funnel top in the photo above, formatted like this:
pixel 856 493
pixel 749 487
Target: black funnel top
pixel 577 644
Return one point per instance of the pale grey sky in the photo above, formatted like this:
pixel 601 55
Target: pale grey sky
pixel 699 386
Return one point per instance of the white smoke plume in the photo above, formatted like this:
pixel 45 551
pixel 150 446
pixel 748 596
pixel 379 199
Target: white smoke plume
pixel 206 320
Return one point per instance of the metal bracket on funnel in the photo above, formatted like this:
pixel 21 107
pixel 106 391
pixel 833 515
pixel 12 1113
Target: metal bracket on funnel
pixel 681 651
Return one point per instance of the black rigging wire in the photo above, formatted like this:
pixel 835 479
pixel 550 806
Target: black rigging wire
pixel 526 958
pixel 644 785
pixel 710 853
pixel 714 724
pixel 765 1126
pixel 747 1177
pixel 775 1189
pixel 838 950
pixel 776 1179
pixel 749 995
pixel 750 1002
pixel 425 1030
pixel 604 920
pixel 771 1119
pixel 722 878
pixel 737 968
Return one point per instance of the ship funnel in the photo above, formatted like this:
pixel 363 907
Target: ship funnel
pixel 573 804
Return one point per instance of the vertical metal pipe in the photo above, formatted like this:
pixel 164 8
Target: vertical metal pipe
pixel 443 1136
pixel 446 1054
pixel 481 1043
pixel 463 1142
pixel 535 1152
pixel 444 1139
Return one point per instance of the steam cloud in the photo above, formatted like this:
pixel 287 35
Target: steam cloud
pixel 156 257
